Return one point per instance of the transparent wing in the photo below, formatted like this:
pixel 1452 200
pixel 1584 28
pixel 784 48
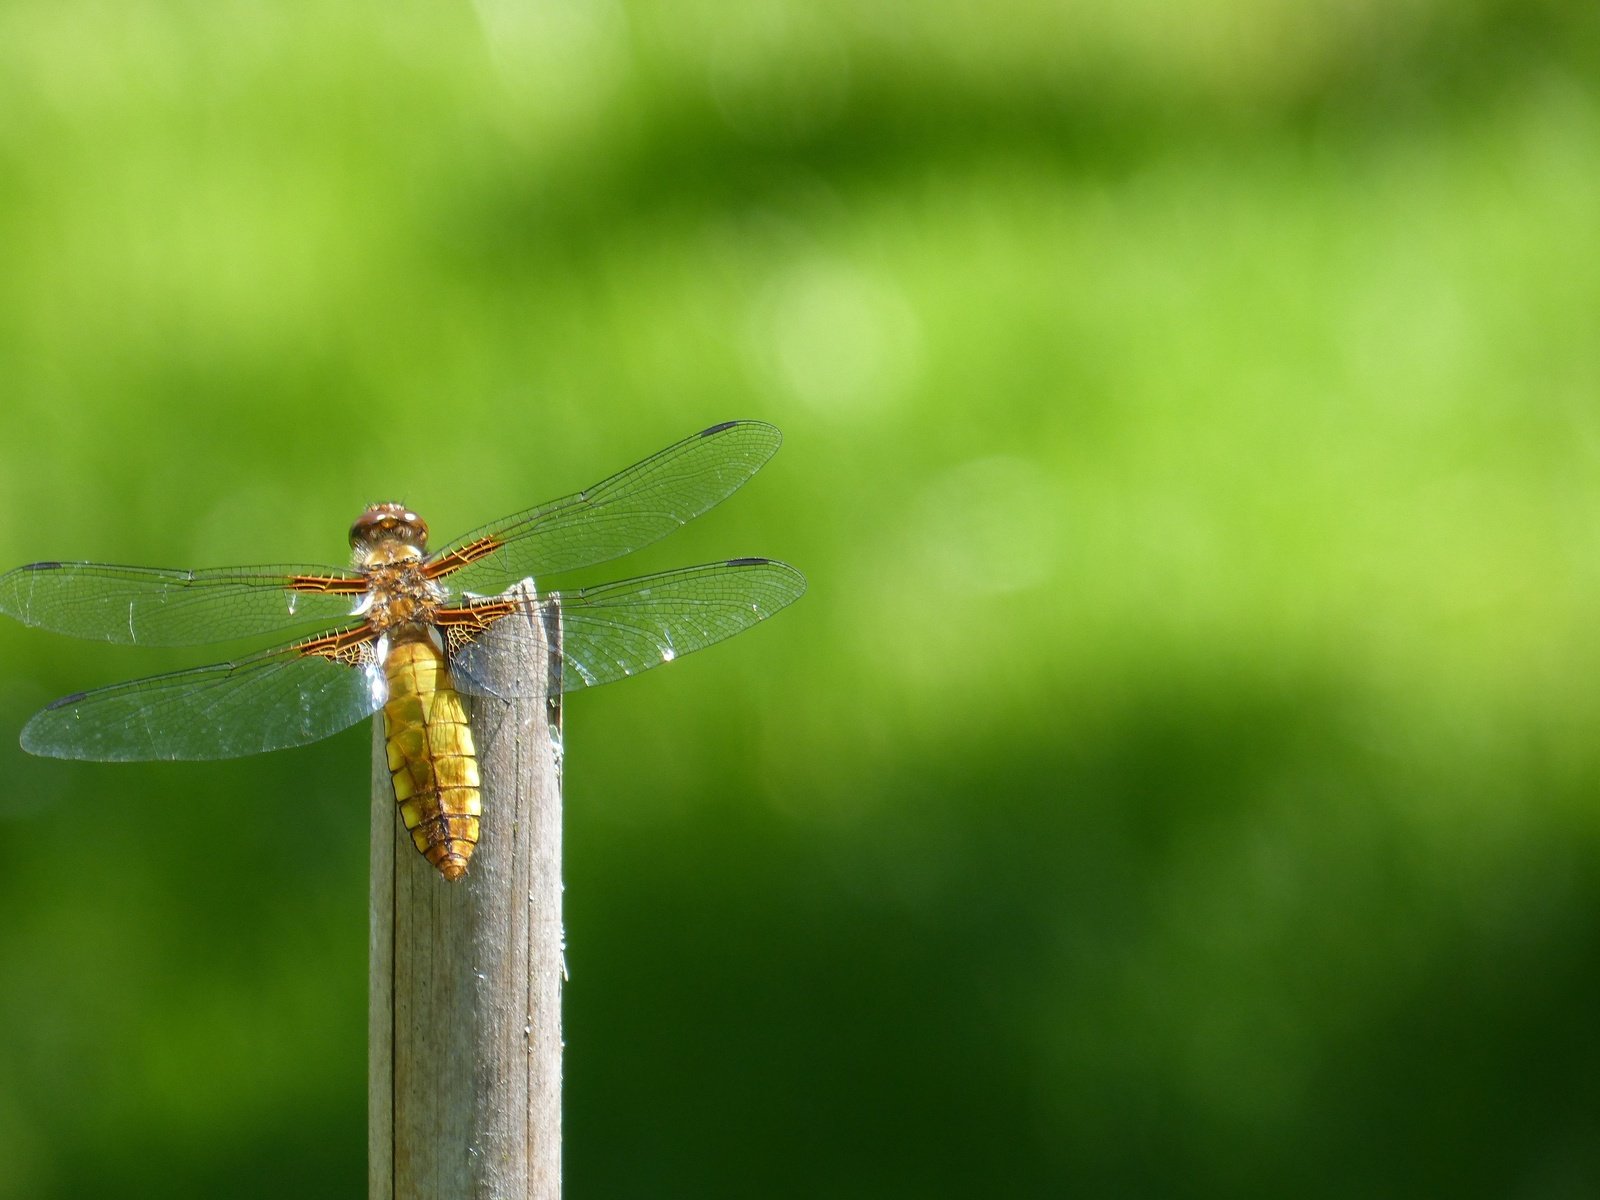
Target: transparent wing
pixel 154 606
pixel 631 509
pixel 284 697
pixel 619 629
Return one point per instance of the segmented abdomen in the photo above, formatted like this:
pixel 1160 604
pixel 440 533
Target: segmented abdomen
pixel 431 757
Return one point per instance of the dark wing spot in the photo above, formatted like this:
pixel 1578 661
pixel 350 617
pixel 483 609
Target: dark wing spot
pixel 718 428
pixel 748 562
pixel 43 566
pixel 65 700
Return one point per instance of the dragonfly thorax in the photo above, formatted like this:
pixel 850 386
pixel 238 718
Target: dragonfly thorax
pixel 389 541
pixel 399 592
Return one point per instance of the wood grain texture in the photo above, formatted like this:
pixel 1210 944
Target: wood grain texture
pixel 464 1022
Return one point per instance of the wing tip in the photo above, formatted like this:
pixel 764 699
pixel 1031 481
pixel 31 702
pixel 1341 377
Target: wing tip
pixel 793 574
pixel 762 427
pixel 13 582
pixel 30 740
pixel 35 736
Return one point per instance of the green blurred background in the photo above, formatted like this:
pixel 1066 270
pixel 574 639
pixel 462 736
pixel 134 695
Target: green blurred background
pixel 1181 778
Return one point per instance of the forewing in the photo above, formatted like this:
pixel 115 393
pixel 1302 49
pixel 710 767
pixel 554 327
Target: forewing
pixel 284 697
pixel 619 629
pixel 154 606
pixel 615 517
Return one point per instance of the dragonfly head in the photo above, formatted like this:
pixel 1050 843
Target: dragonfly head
pixel 388 523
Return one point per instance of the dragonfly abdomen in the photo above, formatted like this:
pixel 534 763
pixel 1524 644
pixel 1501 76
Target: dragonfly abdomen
pixel 432 759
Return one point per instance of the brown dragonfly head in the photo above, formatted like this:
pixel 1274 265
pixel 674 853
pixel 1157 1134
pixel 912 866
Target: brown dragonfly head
pixel 388 523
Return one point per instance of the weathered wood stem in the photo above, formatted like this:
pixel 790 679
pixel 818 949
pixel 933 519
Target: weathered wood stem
pixel 464 1023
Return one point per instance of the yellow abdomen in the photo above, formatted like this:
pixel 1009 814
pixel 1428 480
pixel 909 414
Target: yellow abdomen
pixel 431 757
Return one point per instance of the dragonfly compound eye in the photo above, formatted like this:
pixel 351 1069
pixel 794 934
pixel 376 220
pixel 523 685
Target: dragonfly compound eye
pixel 385 521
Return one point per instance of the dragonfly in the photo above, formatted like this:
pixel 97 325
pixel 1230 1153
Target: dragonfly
pixel 403 631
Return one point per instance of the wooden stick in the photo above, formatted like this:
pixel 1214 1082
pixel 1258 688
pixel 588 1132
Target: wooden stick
pixel 464 1021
